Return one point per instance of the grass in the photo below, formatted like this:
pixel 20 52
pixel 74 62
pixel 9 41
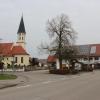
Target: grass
pixel 7 77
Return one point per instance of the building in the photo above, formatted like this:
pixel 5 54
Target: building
pixel 87 54
pixel 43 62
pixel 15 53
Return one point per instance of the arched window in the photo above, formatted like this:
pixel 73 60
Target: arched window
pixel 22 38
pixel 21 59
pixel 19 38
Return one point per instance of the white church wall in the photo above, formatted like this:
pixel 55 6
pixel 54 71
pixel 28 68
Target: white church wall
pixel 25 60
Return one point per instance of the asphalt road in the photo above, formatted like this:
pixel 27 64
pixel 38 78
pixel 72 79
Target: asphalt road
pixel 44 86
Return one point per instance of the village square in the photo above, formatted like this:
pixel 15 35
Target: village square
pixel 49 50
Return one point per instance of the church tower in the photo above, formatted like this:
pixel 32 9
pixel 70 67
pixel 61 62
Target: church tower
pixel 21 34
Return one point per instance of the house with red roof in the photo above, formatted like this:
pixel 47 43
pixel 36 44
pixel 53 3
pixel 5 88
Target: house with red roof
pixel 87 54
pixel 15 53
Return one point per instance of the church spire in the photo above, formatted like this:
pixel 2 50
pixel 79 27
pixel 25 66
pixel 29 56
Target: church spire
pixel 21 34
pixel 21 27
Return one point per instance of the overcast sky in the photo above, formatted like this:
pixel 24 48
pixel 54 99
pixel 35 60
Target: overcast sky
pixel 84 15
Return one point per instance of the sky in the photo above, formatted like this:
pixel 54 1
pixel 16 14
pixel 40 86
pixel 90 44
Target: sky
pixel 83 14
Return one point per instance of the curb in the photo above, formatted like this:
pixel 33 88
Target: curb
pixel 7 86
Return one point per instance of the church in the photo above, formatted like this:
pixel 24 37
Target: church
pixel 15 53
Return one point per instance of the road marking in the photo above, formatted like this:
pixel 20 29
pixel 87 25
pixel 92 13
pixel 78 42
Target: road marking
pixel 46 82
pixel 24 86
pixel 51 81
pixel 63 78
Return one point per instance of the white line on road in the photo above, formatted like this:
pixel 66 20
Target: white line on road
pixel 49 81
pixel 63 78
pixel 56 80
pixel 24 86
pixel 46 82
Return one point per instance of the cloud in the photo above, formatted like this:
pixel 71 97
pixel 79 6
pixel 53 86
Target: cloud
pixel 84 14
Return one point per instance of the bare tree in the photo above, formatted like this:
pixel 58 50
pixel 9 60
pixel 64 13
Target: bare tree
pixel 62 35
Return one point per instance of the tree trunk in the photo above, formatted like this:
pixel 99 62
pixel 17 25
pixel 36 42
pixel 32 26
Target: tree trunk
pixel 60 63
pixel 60 51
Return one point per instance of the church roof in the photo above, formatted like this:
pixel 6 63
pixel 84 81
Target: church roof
pixel 21 27
pixel 5 48
pixel 18 50
pixel 8 49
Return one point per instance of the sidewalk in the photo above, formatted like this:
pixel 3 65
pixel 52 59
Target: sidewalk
pixel 11 83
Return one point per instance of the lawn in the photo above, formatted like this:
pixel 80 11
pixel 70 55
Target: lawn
pixel 7 77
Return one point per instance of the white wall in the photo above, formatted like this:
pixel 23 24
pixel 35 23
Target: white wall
pixel 21 39
pixel 8 60
pixel 57 63
pixel 25 60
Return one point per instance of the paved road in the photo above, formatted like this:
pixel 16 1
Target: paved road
pixel 44 86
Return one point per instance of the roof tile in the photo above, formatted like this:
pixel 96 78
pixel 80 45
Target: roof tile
pixel 7 49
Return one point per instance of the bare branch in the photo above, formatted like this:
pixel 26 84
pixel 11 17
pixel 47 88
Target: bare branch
pixel 62 34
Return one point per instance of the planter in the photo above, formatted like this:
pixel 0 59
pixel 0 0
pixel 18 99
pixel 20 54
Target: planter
pixel 59 71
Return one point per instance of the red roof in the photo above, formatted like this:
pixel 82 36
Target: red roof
pixel 51 58
pixel 7 49
pixel 18 50
pixel 84 48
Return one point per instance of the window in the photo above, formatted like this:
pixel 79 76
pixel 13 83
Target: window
pixel 93 50
pixel 22 38
pixel 85 59
pixel 96 58
pixel 7 58
pixel 15 59
pixel 19 38
pixel 21 59
pixel 90 58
